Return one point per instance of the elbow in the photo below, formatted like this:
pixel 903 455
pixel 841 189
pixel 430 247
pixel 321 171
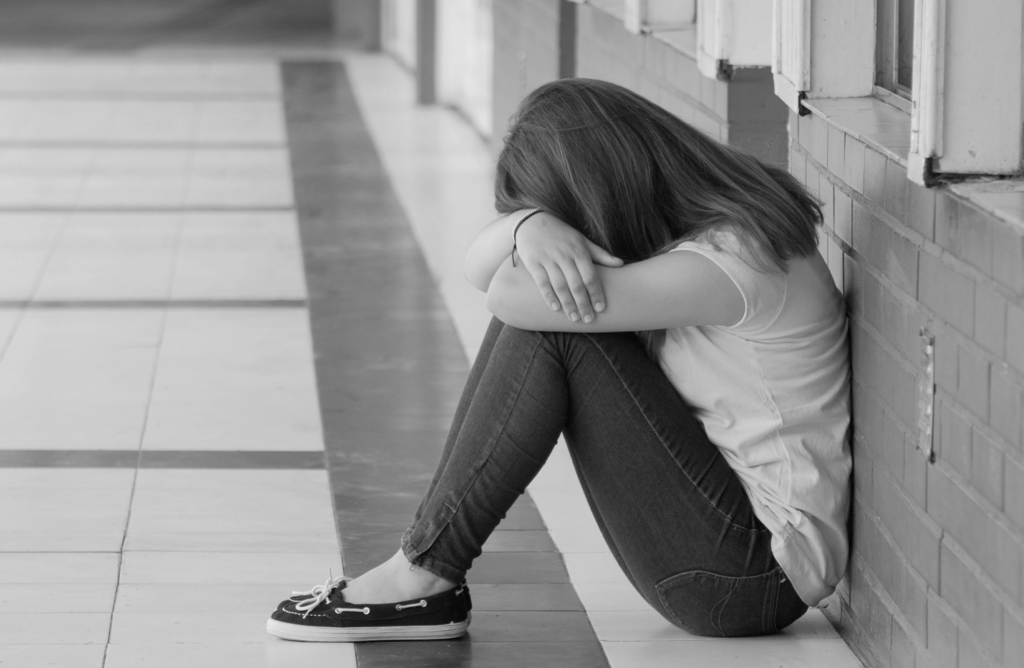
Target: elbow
pixel 475 277
pixel 498 300
pixel 494 302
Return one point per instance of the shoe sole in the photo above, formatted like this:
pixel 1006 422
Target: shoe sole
pixel 365 634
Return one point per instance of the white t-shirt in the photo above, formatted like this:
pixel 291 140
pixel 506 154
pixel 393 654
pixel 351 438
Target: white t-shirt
pixel 773 393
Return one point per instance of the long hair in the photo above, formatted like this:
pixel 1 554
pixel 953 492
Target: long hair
pixel 636 180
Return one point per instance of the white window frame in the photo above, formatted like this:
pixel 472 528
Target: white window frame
pixel 823 49
pixel 733 33
pixel 646 16
pixel 966 111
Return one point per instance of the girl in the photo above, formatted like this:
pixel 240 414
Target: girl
pixel 658 299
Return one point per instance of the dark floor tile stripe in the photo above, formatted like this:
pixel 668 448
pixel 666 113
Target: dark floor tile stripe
pixel 161 459
pixel 390 370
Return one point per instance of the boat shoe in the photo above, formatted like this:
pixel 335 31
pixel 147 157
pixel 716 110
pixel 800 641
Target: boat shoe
pixel 323 615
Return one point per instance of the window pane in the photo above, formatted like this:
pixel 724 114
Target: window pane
pixel 905 45
pixel 885 44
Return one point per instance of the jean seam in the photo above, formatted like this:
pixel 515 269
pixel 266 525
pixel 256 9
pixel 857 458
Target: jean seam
pixel 469 486
pixel 636 403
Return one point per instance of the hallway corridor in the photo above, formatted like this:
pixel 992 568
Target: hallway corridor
pixel 233 331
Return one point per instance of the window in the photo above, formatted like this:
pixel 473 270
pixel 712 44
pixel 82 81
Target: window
pixel 894 46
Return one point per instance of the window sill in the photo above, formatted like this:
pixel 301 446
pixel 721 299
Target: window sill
pixel 684 41
pixel 614 8
pixel 879 125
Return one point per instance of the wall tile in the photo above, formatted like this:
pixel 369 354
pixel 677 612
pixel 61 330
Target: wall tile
pixel 941 642
pixel 962 590
pixel 1006 405
pixel 973 382
pixel 836 151
pixel 990 320
pixel 895 202
pixel 947 222
pixel 843 215
pixel 1008 255
pixel 1014 335
pixel 921 209
pixel 955 439
pixel 987 468
pixel 853 172
pixel 976 238
pixel 874 176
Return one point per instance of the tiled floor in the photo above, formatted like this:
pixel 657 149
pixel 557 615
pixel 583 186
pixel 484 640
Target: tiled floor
pixel 154 314
pixel 227 296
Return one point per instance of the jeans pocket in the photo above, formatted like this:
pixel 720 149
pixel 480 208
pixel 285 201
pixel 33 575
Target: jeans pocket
pixel 708 604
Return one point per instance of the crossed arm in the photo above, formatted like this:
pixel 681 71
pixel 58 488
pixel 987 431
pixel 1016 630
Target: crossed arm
pixel 566 283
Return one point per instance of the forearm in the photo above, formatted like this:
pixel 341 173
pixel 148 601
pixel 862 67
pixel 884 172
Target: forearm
pixel 489 249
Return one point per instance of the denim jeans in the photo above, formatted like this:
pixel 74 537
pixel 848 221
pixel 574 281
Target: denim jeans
pixel 672 511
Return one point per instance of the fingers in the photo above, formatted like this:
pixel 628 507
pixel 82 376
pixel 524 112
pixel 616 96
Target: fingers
pixel 592 285
pixel 601 256
pixel 540 277
pixel 572 293
pixel 567 294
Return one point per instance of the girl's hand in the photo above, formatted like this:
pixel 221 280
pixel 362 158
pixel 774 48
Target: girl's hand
pixel 561 261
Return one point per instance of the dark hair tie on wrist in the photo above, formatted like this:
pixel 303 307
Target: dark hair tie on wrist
pixel 516 229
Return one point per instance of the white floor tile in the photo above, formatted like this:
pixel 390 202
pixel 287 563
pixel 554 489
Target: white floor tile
pixel 269 653
pixel 187 479
pixel 610 597
pixel 63 520
pixel 52 656
pixel 57 568
pixel 216 598
pixel 143 540
pixel 249 121
pixel 75 628
pixel 215 510
pixel 69 478
pixel 235 379
pixel 732 652
pixel 21 271
pixel 120 75
pixel 299 571
pixel 240 190
pixel 107 275
pixel 636 626
pixel 192 626
pixel 593 567
pixel 239 274
pixel 46 598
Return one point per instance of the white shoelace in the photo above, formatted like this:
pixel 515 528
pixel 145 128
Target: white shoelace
pixel 320 593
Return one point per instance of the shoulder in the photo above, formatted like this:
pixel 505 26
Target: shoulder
pixel 763 289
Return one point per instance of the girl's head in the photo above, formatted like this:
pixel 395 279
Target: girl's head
pixel 635 179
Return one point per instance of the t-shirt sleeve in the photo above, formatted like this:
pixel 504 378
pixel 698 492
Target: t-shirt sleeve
pixel 764 292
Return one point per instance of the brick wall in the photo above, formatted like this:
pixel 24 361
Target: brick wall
pixel 935 578
pixel 742 112
pixel 537 41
